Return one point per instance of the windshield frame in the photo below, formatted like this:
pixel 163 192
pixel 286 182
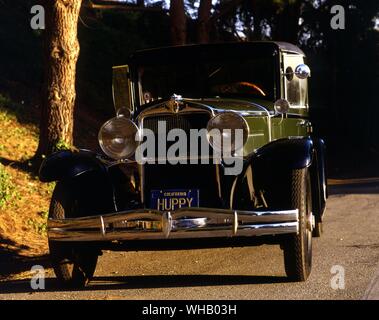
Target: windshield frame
pixel 187 52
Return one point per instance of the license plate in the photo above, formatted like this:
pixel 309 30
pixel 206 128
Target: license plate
pixel 166 200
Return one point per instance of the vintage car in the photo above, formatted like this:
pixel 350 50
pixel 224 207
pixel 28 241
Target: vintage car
pixel 273 191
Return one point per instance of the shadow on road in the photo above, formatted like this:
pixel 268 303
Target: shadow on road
pixel 12 262
pixel 353 187
pixel 144 282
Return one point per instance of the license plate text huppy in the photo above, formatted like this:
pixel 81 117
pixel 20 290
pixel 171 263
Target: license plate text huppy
pixel 166 200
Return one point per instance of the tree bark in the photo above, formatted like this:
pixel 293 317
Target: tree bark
pixel 178 22
pixel 204 15
pixel 61 55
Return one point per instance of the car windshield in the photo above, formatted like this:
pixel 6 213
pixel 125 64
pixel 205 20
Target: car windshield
pixel 234 77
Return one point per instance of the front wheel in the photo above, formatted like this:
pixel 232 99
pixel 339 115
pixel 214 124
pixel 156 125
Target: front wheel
pixel 297 248
pixel 74 263
pixel 318 229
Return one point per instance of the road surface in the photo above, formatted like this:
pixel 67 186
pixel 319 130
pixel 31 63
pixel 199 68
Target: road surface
pixel 345 264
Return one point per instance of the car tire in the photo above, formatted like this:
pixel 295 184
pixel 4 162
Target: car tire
pixel 318 229
pixel 297 248
pixel 74 263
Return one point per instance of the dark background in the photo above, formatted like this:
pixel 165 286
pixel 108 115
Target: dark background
pixel 344 85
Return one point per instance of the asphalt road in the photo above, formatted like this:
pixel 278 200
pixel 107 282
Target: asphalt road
pixel 350 242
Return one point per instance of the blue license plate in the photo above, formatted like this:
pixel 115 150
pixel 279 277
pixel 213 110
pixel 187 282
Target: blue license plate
pixel 166 200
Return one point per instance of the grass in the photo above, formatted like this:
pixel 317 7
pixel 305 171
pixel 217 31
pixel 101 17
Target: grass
pixel 24 200
pixel 39 226
pixel 6 186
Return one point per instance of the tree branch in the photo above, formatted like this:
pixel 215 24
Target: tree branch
pixel 111 5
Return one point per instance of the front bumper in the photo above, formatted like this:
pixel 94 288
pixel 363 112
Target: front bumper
pixel 146 224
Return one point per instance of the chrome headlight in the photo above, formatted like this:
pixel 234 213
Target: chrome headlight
pixel 227 132
pixel 117 138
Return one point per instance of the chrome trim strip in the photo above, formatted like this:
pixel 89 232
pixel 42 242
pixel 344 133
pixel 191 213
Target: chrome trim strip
pixel 232 192
pixel 162 109
pixel 182 223
pixel 141 171
pixel 102 226
pixel 218 179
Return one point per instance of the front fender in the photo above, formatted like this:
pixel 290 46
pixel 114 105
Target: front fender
pixel 68 164
pixel 267 170
pixel 285 153
pixel 86 175
pixel 101 189
pixel 319 178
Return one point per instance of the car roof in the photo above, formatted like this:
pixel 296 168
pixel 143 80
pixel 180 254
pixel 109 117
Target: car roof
pixel 263 46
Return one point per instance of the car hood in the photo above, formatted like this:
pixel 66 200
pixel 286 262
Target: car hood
pixel 237 105
pixel 214 105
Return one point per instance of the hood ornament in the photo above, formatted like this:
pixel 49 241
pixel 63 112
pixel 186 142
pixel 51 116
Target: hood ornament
pixel 175 103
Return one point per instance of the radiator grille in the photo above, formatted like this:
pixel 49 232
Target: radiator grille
pixel 186 122
pixel 178 121
pixel 181 176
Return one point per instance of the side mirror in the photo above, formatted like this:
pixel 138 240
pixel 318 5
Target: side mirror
pixel 302 71
pixel 281 106
pixel 122 90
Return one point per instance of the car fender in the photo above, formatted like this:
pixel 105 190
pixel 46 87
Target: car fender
pixel 67 164
pixel 319 178
pixel 288 153
pixel 102 188
pixel 267 167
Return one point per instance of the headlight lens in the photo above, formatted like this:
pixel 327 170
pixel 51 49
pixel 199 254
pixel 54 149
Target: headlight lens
pixel 227 132
pixel 117 138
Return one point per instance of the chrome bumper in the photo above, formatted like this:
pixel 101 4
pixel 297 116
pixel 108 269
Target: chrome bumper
pixel 183 223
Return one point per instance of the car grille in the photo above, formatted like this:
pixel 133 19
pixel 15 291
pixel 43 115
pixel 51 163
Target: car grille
pixel 186 122
pixel 178 121
pixel 181 176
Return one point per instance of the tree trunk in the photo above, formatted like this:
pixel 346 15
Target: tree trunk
pixel 178 22
pixel 287 27
pixel 204 15
pixel 61 54
pixel 257 34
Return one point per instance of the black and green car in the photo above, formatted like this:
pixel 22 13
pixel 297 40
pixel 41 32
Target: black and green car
pixel 270 188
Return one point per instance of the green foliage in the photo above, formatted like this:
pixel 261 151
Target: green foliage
pixel 6 186
pixel 39 226
pixel 62 145
pixel 50 188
